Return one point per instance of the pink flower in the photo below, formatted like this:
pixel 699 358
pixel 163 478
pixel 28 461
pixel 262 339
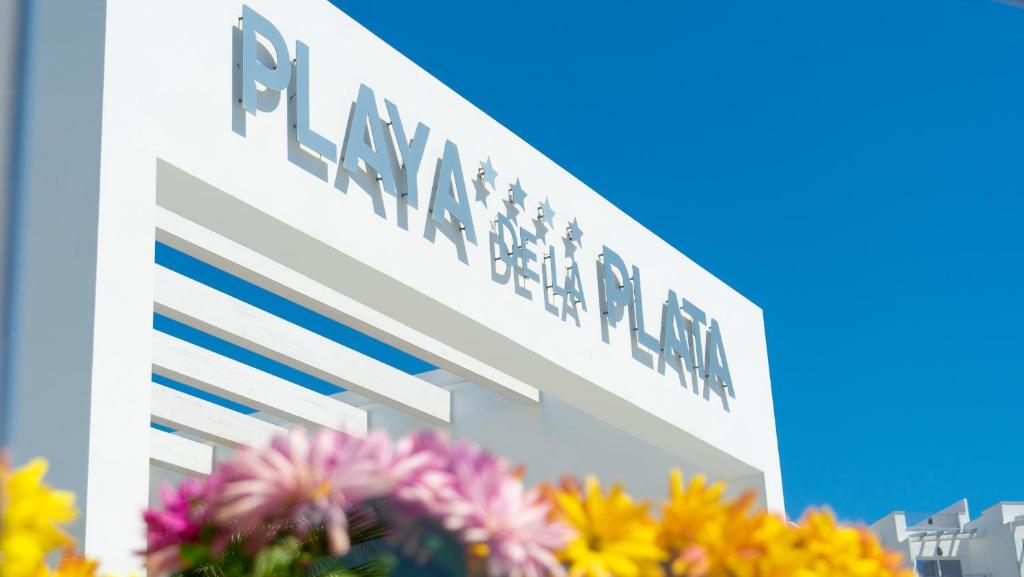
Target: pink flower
pixel 520 536
pixel 420 469
pixel 302 483
pixel 184 513
pixel 478 498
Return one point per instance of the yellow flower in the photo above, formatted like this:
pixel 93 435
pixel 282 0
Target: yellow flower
pixel 616 537
pixel 708 536
pixel 33 514
pixel 837 551
pixel 74 565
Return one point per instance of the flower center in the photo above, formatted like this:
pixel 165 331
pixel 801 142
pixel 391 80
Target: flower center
pixel 321 490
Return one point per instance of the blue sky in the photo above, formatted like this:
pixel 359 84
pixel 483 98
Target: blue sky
pixel 857 169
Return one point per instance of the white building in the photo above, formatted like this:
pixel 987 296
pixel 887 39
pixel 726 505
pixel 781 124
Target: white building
pixel 300 159
pixel 950 544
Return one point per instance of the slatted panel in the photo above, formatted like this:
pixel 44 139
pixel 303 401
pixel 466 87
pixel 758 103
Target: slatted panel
pixel 240 323
pixel 178 453
pixel 208 421
pixel 240 261
pixel 227 378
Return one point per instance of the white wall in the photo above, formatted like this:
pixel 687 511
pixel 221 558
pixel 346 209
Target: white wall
pixel 552 439
pixel 1004 527
pixel 989 545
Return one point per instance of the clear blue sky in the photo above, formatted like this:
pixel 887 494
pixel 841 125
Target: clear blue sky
pixel 858 169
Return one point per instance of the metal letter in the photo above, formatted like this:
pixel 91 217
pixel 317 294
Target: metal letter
pixel 455 203
pixel 411 152
pixel 253 70
pixel 636 316
pixel 358 145
pixel 550 276
pixel 303 133
pixel 717 364
pixel 614 293
pixel 574 286
pixel 526 256
pixel 673 343
pixel 698 318
pixel 506 251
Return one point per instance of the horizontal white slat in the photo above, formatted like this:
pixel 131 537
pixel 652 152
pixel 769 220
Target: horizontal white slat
pixel 207 420
pixel 228 255
pixel 439 377
pixel 228 318
pixel 205 370
pixel 178 453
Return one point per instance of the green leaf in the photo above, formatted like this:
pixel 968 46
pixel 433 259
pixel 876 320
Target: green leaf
pixel 193 554
pixel 372 568
pixel 276 560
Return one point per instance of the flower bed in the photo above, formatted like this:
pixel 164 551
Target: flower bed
pixel 330 504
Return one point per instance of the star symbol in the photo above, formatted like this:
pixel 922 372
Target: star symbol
pixel 546 212
pixel 570 247
pixel 511 210
pixel 574 232
pixel 516 195
pixel 481 191
pixel 487 173
pixel 541 230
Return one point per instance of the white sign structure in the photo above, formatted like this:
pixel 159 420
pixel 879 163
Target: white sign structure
pixel 286 145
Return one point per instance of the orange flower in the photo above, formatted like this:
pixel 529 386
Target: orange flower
pixel 708 536
pixel 834 550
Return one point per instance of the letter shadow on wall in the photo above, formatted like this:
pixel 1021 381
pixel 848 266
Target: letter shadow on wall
pixel 447 227
pixel 481 191
pixel 669 357
pixel 548 284
pixel 639 353
pixel 720 389
pixel 540 228
pixel 569 308
pixel 602 300
pixel 605 305
pixel 519 282
pixel 266 100
pixel 398 169
pixel 497 260
pixel 510 210
pixel 365 179
pixel 298 155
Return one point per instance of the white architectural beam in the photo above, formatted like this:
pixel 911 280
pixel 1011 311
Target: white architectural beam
pixel 205 370
pixel 208 246
pixel 180 454
pixel 228 318
pixel 207 420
